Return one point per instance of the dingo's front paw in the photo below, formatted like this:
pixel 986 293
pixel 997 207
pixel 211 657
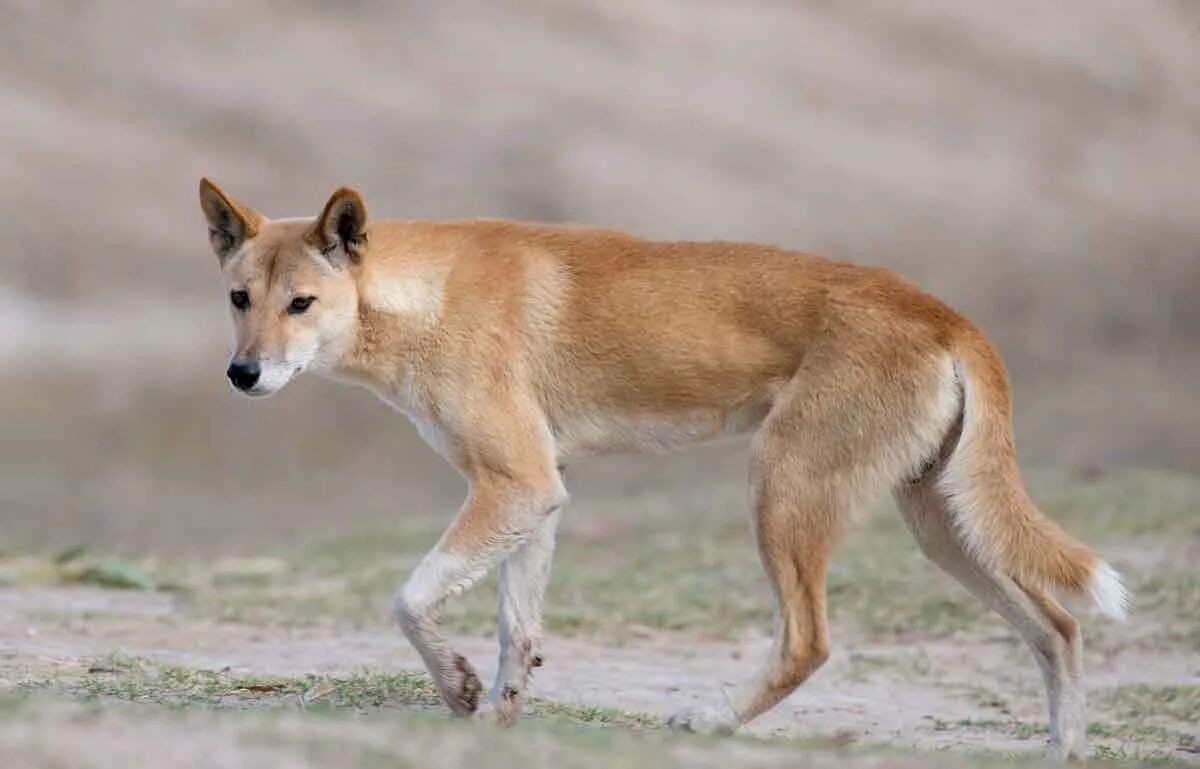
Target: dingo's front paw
pixel 502 708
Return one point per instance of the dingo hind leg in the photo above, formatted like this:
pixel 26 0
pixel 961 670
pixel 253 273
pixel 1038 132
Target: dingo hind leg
pixel 839 434
pixel 1052 634
pixel 971 515
pixel 796 516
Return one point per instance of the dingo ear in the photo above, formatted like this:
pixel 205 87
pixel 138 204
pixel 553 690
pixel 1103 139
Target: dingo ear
pixel 230 223
pixel 340 232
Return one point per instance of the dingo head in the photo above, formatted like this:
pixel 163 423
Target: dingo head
pixel 291 285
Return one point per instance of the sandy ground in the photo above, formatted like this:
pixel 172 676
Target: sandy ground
pixel 1032 163
pixel 932 696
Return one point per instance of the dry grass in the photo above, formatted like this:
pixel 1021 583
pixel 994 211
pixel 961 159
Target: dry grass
pixel 693 568
pixel 65 736
pixel 1040 176
pixel 378 716
pixel 665 564
pixel 630 573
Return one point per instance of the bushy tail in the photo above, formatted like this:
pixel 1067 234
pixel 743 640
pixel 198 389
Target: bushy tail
pixel 993 511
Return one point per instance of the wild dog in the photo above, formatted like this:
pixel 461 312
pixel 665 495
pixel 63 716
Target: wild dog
pixel 519 348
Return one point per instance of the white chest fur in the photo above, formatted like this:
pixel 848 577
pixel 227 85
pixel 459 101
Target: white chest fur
pixel 406 399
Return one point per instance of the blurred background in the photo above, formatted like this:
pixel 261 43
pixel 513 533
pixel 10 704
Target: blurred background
pixel 1035 164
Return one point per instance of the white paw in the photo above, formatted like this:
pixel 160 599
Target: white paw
pixel 1069 751
pixel 486 712
pixel 703 721
pixel 501 708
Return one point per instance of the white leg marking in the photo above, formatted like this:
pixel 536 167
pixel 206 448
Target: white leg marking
pixel 438 576
pixel 523 579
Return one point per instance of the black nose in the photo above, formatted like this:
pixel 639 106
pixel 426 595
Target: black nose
pixel 243 374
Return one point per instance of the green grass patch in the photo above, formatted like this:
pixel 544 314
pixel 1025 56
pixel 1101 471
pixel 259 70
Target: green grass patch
pixel 1142 702
pixel 653 576
pixel 687 563
pixel 1119 742
pixel 129 679
pixel 46 733
pixel 119 678
pixel 577 731
pixel 75 566
pixel 1114 507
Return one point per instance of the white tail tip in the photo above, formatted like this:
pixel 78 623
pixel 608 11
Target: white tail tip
pixel 1108 593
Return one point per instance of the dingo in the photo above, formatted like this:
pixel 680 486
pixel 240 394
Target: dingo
pixel 519 348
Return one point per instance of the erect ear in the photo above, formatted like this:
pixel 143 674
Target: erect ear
pixel 230 223
pixel 340 232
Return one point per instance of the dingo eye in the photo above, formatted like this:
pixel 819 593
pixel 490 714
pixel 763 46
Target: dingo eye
pixel 239 299
pixel 300 304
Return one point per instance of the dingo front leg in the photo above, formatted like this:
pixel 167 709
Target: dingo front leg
pixel 523 578
pixel 441 574
pixel 503 513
